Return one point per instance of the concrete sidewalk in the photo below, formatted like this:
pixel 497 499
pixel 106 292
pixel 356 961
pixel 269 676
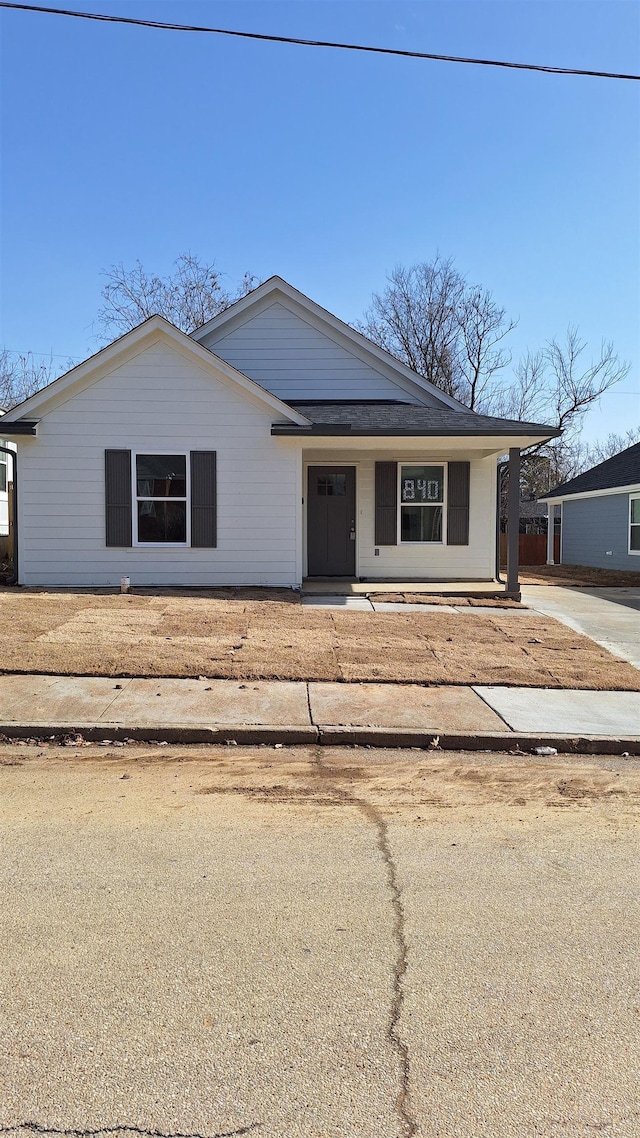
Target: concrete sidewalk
pixel 610 616
pixel 200 711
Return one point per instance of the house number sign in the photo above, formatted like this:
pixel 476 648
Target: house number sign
pixel 421 487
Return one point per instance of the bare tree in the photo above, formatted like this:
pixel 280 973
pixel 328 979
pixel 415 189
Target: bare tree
pixel 483 328
pixel 188 297
pixel 602 449
pixel 450 332
pixel 556 385
pixel 21 376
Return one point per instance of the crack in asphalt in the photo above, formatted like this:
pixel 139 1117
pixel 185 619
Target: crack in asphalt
pixel 79 1132
pixel 372 815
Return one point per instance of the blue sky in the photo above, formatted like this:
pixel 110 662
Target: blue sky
pixel 326 167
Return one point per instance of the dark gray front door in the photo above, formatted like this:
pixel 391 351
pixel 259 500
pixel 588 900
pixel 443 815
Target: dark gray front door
pixel 331 521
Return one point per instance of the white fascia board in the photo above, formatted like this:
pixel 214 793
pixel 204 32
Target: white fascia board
pixel 133 343
pixel 321 318
pixel 633 488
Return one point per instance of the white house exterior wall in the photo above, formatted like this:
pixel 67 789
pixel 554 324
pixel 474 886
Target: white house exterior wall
pixel 476 560
pixel 294 360
pixel 158 401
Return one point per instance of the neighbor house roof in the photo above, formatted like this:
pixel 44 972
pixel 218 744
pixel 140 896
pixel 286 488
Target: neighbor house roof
pixel 391 417
pixel 620 471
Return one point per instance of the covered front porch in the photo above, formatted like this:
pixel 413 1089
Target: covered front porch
pixel 405 515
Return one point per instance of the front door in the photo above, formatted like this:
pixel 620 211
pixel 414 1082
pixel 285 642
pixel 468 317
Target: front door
pixel 331 521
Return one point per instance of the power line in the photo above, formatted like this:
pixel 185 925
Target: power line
pixel 158 24
pixel 33 352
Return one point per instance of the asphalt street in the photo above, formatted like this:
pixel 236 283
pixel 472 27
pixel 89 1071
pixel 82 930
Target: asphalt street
pixel 317 942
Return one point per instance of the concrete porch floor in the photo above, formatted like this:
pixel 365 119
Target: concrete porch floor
pixel 347 587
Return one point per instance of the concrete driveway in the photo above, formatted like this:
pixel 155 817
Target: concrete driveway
pixel 353 944
pixel 609 616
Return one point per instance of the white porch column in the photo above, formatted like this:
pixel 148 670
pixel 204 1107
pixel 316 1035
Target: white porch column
pixel 550 533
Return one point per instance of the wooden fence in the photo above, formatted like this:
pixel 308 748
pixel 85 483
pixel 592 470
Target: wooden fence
pixel 533 548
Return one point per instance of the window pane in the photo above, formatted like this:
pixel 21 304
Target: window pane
pixel 162 521
pixel 421 523
pixel 161 475
pixel 422 484
pixel 635 538
pixel 332 485
pixel 3 475
pixel 635 510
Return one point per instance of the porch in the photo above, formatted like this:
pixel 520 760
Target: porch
pixel 348 587
pixel 398 519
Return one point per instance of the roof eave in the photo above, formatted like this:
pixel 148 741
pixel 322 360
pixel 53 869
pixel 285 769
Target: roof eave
pixel 340 430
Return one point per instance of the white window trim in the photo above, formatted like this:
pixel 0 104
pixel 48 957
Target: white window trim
pixel 445 476
pixel 630 551
pixel 135 498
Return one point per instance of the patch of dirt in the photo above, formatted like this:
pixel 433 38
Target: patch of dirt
pixel 418 784
pixel 578 576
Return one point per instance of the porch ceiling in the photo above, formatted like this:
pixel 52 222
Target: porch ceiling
pixel 350 448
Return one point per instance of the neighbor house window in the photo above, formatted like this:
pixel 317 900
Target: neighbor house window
pixel 161 499
pixel 3 472
pixel 634 524
pixel 421 503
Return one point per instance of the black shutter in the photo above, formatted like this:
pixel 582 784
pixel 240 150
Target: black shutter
pixel 386 503
pixel 458 504
pixel 117 486
pixel 203 499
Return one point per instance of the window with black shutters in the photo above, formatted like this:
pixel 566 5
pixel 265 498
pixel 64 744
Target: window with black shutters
pixel 160 515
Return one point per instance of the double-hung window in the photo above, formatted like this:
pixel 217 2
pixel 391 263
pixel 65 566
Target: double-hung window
pixel 634 523
pixel 161 499
pixel 421 503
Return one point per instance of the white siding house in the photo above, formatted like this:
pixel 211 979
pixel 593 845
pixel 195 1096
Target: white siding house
pixel 272 444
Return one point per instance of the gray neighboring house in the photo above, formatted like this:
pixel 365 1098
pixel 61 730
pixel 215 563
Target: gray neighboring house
pixel 600 513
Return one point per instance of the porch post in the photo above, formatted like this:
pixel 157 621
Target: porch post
pixel 513 521
pixel 551 513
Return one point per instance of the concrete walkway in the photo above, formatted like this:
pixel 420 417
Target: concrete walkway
pixel 298 712
pixel 369 604
pixel 609 616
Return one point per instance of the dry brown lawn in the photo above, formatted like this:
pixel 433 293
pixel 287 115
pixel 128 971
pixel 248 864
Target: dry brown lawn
pixel 244 636
pixel 578 576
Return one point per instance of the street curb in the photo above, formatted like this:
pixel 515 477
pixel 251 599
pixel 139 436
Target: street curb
pixel 242 735
pixel 478 741
pixel 326 736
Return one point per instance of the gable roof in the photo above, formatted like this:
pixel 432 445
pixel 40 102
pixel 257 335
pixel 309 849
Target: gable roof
pixel 621 470
pixel 392 417
pixel 275 288
pixel 152 329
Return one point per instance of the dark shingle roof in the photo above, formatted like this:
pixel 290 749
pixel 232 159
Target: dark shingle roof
pixel 390 417
pixel 621 470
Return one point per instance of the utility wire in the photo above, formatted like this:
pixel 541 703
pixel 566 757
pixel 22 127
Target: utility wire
pixel 313 43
